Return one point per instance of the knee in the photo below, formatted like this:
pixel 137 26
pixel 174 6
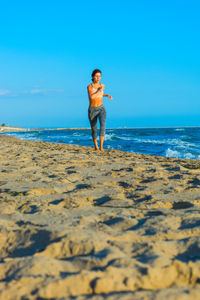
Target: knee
pixel 94 133
pixel 102 131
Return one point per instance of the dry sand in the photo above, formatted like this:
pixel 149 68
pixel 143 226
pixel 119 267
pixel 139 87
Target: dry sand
pixel 12 129
pixel 80 224
pixel 18 129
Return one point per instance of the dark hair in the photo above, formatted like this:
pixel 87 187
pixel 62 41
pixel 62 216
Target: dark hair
pixel 94 72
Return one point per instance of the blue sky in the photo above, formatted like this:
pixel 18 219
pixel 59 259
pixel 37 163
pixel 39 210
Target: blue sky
pixel 148 51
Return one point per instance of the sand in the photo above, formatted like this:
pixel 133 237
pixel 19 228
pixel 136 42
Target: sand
pixel 12 129
pixel 4 129
pixel 81 224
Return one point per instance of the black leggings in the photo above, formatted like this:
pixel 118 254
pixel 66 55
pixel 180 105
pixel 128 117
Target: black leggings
pixel 93 114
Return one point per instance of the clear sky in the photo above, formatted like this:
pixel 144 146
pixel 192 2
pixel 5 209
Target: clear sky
pixel 148 51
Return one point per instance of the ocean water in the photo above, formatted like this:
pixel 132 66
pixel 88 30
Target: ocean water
pixel 169 142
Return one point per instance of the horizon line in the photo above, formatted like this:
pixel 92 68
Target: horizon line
pixel 21 129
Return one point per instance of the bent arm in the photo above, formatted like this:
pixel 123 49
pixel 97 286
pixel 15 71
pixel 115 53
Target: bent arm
pixel 106 95
pixel 110 97
pixel 92 94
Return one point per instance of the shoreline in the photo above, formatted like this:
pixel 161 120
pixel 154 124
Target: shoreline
pixel 42 134
pixel 19 129
pixel 166 150
pixel 90 148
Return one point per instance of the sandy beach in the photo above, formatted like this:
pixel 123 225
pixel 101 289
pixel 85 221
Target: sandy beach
pixel 20 129
pixel 82 224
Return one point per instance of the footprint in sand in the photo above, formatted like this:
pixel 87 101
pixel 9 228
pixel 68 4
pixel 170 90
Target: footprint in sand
pixel 195 182
pixel 182 205
pixel 176 176
pixel 145 198
pixel 190 223
pixel 56 202
pixel 12 193
pixel 119 223
pixel 31 243
pixel 28 209
pixel 173 169
pixel 154 213
pixel 113 221
pixel 148 180
pixel 192 253
pixel 124 184
pixel 151 171
pixel 83 186
pixel 102 200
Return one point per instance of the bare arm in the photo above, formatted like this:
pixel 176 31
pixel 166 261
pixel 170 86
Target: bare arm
pixel 94 94
pixel 106 95
pixel 110 97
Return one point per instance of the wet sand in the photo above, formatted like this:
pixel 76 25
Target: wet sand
pixel 81 224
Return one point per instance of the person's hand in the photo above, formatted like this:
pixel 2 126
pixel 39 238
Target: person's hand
pixel 110 97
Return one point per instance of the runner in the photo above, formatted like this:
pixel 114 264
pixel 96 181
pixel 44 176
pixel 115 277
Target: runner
pixel 96 108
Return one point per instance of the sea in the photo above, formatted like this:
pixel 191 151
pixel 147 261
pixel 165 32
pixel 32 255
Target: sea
pixel 179 142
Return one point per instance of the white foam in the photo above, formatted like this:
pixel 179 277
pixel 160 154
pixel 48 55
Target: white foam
pixel 172 153
pixel 179 129
pixel 189 156
pixel 173 142
pixel 125 138
pixel 177 154
pixel 109 136
pixel 77 134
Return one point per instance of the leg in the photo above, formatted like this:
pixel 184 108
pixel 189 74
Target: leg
pixel 101 142
pixel 93 124
pixel 102 120
pixel 94 132
pixel 95 144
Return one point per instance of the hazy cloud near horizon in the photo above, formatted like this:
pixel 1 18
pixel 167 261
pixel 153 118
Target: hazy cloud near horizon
pixel 29 92
pixel 4 92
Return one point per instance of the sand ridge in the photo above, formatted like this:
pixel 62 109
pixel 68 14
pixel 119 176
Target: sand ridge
pixel 79 223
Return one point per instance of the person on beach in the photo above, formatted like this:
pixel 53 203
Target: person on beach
pixel 96 108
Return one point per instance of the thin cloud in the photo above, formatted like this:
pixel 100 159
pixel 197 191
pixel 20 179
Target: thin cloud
pixel 45 91
pixel 4 92
pixel 35 91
